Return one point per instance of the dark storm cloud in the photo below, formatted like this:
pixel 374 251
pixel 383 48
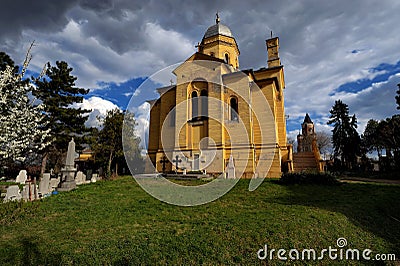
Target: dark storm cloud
pixel 39 15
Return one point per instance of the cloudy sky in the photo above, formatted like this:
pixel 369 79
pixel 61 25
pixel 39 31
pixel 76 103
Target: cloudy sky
pixel 348 50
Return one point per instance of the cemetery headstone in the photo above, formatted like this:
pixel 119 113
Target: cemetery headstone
pixel 54 183
pixel 44 185
pixel 80 178
pixel 68 172
pixel 22 177
pixel 12 193
pixel 94 178
pixel 30 192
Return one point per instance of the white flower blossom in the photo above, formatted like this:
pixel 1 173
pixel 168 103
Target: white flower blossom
pixel 22 126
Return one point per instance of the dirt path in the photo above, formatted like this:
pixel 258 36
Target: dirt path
pixel 361 179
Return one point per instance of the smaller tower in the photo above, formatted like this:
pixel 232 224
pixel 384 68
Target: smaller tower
pixel 273 52
pixel 307 136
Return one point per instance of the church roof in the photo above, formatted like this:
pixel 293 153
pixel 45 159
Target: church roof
pixel 201 56
pixel 218 29
pixel 307 119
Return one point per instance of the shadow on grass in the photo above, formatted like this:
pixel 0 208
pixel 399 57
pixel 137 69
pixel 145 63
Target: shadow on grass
pixel 26 252
pixel 374 208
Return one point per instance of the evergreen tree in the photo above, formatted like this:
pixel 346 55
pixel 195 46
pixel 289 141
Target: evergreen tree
pixel 5 60
pixel 371 138
pixel 345 138
pixel 58 92
pixel 22 125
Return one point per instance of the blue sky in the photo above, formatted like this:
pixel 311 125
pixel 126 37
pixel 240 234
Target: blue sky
pixel 330 50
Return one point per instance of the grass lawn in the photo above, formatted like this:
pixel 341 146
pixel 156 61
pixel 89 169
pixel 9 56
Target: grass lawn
pixel 117 223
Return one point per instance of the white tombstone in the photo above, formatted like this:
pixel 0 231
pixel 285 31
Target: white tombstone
pixel 94 178
pixel 68 172
pixel 80 178
pixel 12 193
pixel 54 183
pixel 22 177
pixel 30 192
pixel 44 185
pixel 231 168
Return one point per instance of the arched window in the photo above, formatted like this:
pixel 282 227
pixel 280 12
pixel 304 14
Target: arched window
pixel 227 58
pixel 204 103
pixel 234 109
pixel 195 105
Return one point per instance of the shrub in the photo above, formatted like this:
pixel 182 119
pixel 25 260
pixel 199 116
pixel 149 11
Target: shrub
pixel 315 178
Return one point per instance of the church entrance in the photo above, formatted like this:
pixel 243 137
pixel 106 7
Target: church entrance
pixel 196 163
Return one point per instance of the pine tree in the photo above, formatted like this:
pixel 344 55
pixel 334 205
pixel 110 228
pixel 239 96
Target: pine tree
pixel 58 92
pixel 345 138
pixel 371 138
pixel 22 125
pixel 5 60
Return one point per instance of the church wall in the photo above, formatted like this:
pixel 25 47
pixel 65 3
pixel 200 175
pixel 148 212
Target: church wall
pixel 216 110
pixel 181 116
pixel 167 137
pixel 154 132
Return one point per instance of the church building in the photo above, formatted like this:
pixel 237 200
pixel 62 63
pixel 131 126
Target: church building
pixel 217 113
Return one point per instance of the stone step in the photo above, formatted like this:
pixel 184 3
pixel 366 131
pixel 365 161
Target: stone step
pixel 304 161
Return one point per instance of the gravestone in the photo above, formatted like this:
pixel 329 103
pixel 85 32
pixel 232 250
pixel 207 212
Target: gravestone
pixel 68 172
pixel 80 178
pixel 94 178
pixel 54 183
pixel 44 185
pixel 231 168
pixel 30 192
pixel 12 193
pixel 22 177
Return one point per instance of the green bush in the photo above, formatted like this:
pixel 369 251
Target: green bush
pixel 315 178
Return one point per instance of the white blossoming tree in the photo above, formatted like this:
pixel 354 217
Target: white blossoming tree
pixel 22 126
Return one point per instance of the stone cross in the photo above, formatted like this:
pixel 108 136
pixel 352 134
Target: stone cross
pixel 177 161
pixel 164 160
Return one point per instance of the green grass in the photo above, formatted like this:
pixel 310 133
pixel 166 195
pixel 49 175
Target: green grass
pixel 117 223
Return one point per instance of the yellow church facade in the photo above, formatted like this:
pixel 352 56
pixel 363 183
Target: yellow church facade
pixel 217 113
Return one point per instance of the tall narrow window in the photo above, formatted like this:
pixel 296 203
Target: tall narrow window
pixel 234 109
pixel 227 59
pixel 204 103
pixel 195 105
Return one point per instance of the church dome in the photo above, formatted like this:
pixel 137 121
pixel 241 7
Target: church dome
pixel 218 29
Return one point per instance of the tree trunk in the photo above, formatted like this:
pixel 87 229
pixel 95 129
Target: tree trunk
pixel 109 164
pixel 116 169
pixel 44 163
